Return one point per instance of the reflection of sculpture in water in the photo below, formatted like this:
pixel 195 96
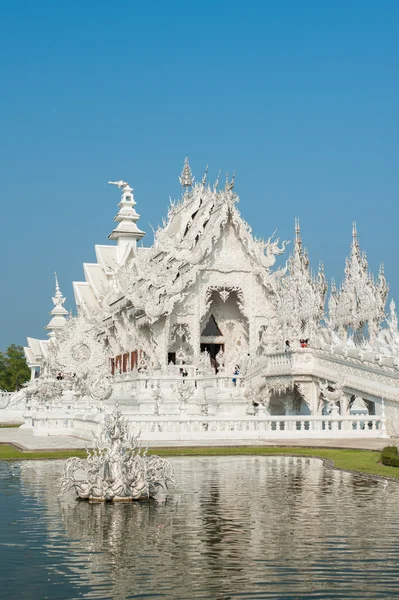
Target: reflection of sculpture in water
pixel 117 468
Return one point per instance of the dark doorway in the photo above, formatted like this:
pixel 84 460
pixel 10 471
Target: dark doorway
pixel 211 328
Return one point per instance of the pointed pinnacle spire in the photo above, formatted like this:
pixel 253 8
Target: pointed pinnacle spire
pixel 355 241
pixel 205 175
pixel 354 234
pixel 186 178
pixel 298 239
pixel 230 185
pixel 297 229
pixel 126 232
pixel 58 313
pixel 217 180
pixel 57 287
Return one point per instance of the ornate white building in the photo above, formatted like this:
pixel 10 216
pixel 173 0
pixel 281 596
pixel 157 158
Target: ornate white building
pixel 200 335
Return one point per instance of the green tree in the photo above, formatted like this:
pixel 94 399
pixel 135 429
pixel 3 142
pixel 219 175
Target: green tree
pixel 13 368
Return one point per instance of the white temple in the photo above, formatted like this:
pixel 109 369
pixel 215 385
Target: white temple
pixel 201 336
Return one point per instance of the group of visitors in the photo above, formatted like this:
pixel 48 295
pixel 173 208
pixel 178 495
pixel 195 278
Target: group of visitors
pixel 304 343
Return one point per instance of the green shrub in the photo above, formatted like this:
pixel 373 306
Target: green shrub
pixel 390 456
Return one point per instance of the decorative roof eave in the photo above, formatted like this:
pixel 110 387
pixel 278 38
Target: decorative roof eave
pixel 157 294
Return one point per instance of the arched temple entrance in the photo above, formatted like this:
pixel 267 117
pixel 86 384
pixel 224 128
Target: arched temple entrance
pixel 224 328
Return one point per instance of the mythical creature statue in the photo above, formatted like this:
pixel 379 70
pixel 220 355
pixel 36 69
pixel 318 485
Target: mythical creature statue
pixel 332 397
pixel 117 468
pixel 119 184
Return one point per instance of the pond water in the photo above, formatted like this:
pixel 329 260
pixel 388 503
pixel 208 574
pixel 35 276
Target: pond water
pixel 236 527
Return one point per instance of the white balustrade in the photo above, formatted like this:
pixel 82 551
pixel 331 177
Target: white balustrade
pixel 269 427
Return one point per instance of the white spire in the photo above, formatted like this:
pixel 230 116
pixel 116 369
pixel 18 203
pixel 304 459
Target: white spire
pixel 230 185
pixel 59 313
pixel 205 176
pixel 298 239
pixel 126 233
pixel 186 178
pixel 360 299
pixel 217 181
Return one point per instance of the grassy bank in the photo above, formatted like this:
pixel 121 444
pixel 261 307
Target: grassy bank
pixel 363 461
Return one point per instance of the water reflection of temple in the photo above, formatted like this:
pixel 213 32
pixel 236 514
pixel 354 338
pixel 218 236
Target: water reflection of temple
pixel 233 523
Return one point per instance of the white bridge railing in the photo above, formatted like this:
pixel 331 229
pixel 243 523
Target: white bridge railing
pixel 187 427
pixel 268 427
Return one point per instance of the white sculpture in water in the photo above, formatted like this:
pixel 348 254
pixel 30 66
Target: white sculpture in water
pixel 117 468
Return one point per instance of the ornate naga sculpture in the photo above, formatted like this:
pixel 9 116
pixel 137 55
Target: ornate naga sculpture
pixel 332 397
pixel 117 468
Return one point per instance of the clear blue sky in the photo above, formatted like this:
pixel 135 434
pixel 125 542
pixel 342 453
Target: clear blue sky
pixel 300 97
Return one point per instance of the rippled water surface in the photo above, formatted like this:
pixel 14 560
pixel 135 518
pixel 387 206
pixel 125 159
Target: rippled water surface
pixel 243 527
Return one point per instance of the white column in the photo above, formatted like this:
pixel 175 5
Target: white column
pixel 313 397
pixel 344 402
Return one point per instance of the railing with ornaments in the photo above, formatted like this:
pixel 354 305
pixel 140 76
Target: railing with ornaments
pixel 259 427
pixel 145 382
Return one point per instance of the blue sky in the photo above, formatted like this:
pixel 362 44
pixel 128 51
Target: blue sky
pixel 301 98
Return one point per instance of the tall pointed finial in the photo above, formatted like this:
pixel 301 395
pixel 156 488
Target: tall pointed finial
pixel 58 313
pixel 217 180
pixel 355 241
pixel 186 178
pixel 57 287
pixel 230 185
pixel 126 234
pixel 205 175
pixel 297 229
pixel 298 239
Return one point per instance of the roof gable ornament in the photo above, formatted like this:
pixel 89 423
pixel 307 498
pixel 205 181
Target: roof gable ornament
pixel 229 187
pixel 186 178
pixel 205 175
pixel 216 184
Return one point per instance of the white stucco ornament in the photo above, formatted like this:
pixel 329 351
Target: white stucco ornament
pixel 117 468
pixel 200 334
pixel 77 349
